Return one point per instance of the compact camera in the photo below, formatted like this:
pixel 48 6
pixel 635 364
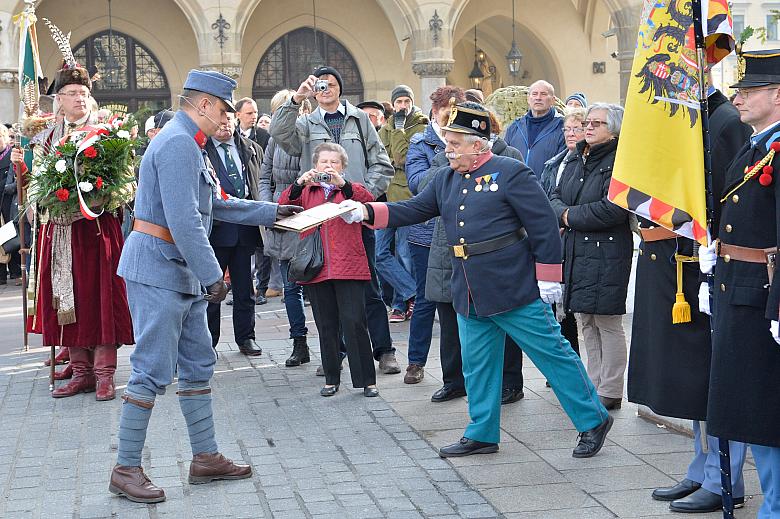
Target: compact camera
pixel 322 177
pixel 321 85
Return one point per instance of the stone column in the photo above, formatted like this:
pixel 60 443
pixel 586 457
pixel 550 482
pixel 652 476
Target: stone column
pixel 9 96
pixel 626 25
pixel 9 64
pixel 433 74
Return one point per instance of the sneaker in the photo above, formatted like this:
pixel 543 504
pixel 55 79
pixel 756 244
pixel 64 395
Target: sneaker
pixel 397 316
pixel 409 308
pixel 388 364
pixel 414 374
pixel 272 292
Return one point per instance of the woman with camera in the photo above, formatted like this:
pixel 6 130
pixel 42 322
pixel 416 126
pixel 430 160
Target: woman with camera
pixel 336 293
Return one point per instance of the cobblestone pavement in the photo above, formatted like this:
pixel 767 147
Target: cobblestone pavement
pixel 313 457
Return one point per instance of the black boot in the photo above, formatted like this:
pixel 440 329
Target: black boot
pixel 300 353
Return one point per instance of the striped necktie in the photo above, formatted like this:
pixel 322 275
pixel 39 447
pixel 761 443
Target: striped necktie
pixel 232 170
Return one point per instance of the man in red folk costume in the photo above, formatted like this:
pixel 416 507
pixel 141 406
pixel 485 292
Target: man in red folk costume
pixel 81 302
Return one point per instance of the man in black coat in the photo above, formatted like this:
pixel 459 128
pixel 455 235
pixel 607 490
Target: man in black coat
pixel 669 367
pixel 744 396
pixel 237 162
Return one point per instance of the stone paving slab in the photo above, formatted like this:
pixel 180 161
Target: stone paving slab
pixel 341 457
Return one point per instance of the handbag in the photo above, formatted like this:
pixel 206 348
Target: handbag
pixel 308 259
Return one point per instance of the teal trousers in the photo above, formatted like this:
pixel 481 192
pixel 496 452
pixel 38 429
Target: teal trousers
pixel 534 328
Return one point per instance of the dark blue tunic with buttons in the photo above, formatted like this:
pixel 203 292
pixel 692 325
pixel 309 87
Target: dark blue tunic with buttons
pixel 744 398
pixel 473 211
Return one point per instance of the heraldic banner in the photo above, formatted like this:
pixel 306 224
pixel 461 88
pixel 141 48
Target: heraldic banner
pixel 659 167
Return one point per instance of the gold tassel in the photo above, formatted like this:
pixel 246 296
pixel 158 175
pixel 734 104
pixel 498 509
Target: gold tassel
pixel 681 310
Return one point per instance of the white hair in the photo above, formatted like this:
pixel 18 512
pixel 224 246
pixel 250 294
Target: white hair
pixel 614 116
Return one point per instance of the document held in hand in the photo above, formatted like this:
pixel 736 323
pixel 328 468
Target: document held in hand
pixel 309 218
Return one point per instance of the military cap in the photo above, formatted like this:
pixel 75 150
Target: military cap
pixel 372 104
pixel 213 83
pixel 762 67
pixel 469 120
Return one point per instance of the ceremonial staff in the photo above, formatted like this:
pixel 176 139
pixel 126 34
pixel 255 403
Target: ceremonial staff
pixel 698 27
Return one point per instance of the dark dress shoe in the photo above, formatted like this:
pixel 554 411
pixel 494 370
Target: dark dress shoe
pixel 592 441
pixel 250 347
pixel 467 447
pixel 132 483
pixel 329 390
pixel 610 403
pixel 207 467
pixel 682 489
pixel 701 502
pixel 510 395
pixel 370 392
pixel 260 299
pixel 448 393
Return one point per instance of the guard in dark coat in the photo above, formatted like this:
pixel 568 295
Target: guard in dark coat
pixel 669 365
pixel 506 273
pixel 234 244
pixel 744 397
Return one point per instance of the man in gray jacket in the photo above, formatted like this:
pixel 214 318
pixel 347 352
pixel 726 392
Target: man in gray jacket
pixel 338 121
pixel 166 262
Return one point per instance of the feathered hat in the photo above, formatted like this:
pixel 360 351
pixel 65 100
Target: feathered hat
pixel 71 73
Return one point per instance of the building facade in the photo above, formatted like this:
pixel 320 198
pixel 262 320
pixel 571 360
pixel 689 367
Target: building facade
pixel 145 48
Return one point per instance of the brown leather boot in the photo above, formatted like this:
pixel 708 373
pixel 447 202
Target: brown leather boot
pixel 105 366
pixel 65 374
pixel 206 468
pixel 132 483
pixel 62 358
pixel 83 380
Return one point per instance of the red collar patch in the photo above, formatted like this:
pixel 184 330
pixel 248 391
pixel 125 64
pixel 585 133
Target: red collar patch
pixel 201 139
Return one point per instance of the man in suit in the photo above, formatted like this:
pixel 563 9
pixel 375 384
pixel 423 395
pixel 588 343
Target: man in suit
pixel 237 161
pixel 171 274
pixel 246 113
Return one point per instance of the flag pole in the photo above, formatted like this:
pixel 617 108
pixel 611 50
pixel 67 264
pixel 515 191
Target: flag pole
pixel 698 28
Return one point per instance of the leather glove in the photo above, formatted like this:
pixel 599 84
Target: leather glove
pixel 399 119
pixel 355 215
pixel 550 291
pixel 283 211
pixel 217 292
pixel 708 256
pixel 704 298
pixel 775 331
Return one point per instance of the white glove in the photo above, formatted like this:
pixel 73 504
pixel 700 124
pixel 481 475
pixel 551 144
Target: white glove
pixel 355 215
pixel 708 256
pixel 550 291
pixel 704 298
pixel 775 331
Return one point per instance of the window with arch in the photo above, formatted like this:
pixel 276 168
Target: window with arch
pixel 139 79
pixel 288 61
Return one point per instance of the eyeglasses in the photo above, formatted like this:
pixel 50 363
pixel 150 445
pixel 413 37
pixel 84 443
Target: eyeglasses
pixel 592 122
pixel 576 129
pixel 744 93
pixel 75 94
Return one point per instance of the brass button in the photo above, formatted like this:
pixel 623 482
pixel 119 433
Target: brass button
pixel 641 252
pixel 465 191
pixel 467 175
pixel 728 227
pixel 463 240
pixel 722 287
pixel 462 207
pixel 726 258
pixel 653 257
pixel 735 199
pixel 461 224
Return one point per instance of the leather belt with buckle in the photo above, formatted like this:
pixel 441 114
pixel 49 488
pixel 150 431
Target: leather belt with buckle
pixel 747 254
pixel 152 229
pixel 472 249
pixel 657 234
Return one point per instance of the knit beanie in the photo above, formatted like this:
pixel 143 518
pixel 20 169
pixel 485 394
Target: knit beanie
pixel 321 71
pixel 401 91
pixel 579 96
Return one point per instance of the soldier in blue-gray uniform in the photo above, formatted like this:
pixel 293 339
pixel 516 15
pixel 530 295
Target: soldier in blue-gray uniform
pixel 166 262
pixel 506 273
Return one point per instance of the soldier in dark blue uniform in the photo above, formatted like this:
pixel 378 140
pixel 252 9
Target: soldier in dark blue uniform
pixel 744 396
pixel 507 271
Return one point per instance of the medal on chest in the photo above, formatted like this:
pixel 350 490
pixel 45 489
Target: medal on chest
pixel 487 183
